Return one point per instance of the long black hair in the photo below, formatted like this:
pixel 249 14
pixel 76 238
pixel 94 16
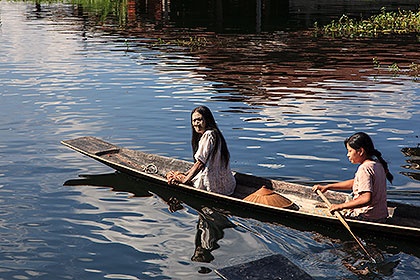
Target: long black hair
pixel 210 124
pixel 362 140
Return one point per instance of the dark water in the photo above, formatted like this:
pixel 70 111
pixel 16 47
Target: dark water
pixel 284 100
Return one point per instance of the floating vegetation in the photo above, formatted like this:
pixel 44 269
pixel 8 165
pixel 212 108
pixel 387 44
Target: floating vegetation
pixel 400 22
pixel 412 69
pixel 191 42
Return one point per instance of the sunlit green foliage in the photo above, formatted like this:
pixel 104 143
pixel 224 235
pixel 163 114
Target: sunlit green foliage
pixel 400 22
pixel 102 9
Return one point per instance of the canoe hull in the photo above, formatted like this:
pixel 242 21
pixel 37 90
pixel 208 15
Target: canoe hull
pixel 153 168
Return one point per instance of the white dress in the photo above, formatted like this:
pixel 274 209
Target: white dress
pixel 215 176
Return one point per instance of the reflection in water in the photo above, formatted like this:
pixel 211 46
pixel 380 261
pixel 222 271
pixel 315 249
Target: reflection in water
pixel 293 84
pixel 71 71
pixel 278 88
pixel 296 88
pixel 209 230
pixel 413 162
pixel 411 152
pixel 174 204
pixel 111 180
pixel 237 16
pixel 355 261
pixel 210 225
pixel 368 270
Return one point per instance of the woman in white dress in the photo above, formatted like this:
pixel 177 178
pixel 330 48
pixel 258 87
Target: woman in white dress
pixel 211 170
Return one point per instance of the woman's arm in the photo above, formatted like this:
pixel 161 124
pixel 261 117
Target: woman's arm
pixel 344 185
pixel 197 167
pixel 364 199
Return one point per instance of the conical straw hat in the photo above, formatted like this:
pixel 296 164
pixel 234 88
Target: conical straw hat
pixel 268 197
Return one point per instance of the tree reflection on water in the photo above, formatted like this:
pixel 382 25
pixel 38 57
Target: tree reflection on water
pixel 413 154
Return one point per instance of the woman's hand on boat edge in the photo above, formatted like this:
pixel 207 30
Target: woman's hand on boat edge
pixel 322 188
pixel 175 177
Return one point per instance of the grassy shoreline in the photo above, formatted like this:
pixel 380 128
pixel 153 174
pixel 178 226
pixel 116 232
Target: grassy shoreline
pixel 399 22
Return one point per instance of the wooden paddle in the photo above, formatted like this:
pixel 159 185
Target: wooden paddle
pixel 343 221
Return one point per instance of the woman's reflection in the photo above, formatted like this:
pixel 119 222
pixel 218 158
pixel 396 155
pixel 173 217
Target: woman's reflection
pixel 210 228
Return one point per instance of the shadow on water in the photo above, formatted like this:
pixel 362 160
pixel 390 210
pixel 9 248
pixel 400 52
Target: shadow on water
pixel 213 218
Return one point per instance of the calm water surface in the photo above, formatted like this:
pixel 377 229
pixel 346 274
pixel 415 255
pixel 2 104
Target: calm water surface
pixel 284 100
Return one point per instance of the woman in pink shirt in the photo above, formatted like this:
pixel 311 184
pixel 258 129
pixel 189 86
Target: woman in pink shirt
pixel 369 184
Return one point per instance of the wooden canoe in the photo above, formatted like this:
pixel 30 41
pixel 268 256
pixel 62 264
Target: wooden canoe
pixel 404 222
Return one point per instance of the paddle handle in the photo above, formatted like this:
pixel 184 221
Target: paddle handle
pixel 343 221
pixel 337 214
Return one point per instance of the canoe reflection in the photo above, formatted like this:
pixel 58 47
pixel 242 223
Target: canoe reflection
pixel 210 226
pixel 117 182
pixel 211 222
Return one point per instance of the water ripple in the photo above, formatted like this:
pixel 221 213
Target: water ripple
pixel 284 101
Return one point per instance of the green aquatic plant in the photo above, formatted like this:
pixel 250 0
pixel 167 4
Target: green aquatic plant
pixel 415 69
pixel 399 22
pixel 191 42
pixel 376 63
pixel 394 68
pixel 412 69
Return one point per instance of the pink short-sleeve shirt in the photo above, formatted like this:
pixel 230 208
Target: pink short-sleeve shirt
pixel 371 177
